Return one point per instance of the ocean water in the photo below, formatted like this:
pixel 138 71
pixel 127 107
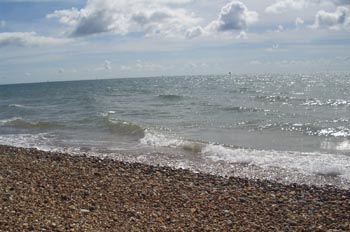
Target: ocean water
pixel 285 128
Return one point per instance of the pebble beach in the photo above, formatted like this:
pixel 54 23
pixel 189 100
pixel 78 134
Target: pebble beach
pixel 42 191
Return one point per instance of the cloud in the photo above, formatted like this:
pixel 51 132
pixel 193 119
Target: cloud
pixel 27 39
pixel 194 32
pixel 280 28
pixel 282 6
pixel 108 65
pixel 2 23
pixel 123 17
pixel 125 68
pixel 151 18
pixel 336 20
pixel 233 16
pixel 11 1
pixel 255 62
pixel 273 48
pixel 340 2
pixel 242 35
pixel 298 22
pixel 285 5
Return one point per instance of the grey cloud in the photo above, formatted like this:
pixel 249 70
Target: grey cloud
pixel 143 19
pixel 336 20
pixel 123 17
pixel 91 25
pixel 194 32
pixel 298 22
pixel 234 16
pixel 108 65
pixel 26 39
pixel 285 5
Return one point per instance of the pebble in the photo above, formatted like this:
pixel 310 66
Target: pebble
pixel 43 191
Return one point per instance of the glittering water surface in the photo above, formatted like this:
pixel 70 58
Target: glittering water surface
pixel 288 128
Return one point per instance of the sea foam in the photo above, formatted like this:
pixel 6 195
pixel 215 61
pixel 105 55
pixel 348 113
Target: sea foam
pixel 306 163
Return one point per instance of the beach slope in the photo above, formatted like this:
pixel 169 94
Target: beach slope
pixel 59 192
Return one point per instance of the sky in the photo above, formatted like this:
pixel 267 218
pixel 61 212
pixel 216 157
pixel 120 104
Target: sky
pixel 59 40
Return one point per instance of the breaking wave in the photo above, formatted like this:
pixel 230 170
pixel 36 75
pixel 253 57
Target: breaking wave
pixel 159 140
pixel 125 128
pixel 312 163
pixel 307 163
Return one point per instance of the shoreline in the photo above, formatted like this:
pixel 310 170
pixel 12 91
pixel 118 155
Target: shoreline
pixel 62 192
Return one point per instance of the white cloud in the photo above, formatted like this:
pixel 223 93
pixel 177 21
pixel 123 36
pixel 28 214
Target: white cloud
pixel 273 48
pixel 37 1
pixel 336 20
pixel 255 62
pixel 194 32
pixel 172 1
pixel 340 2
pixel 141 65
pixel 2 23
pixel 125 68
pixel 108 65
pixel 280 28
pixel 242 35
pixel 123 16
pixel 298 22
pixel 342 58
pixel 152 18
pixel 233 16
pixel 285 5
pixel 27 39
pixel 282 6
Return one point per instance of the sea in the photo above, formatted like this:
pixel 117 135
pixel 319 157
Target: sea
pixel 283 128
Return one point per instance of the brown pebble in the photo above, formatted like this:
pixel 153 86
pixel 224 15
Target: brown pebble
pixel 59 192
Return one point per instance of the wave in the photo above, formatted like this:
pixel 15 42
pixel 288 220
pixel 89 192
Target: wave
pixel 275 98
pixel 20 106
pixel 315 164
pixel 39 141
pixel 335 132
pixel 307 163
pixel 125 128
pixel 241 109
pixel 170 97
pixel 159 140
pixel 18 122
pixel 329 102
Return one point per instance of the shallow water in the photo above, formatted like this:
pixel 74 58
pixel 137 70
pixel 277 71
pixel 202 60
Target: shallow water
pixel 289 128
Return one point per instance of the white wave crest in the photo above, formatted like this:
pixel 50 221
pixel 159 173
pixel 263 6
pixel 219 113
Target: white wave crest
pixel 160 140
pixel 39 141
pixel 335 132
pixel 9 120
pixel 20 106
pixel 306 163
pixel 221 153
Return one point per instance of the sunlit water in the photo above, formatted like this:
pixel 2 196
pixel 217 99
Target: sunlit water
pixel 288 128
